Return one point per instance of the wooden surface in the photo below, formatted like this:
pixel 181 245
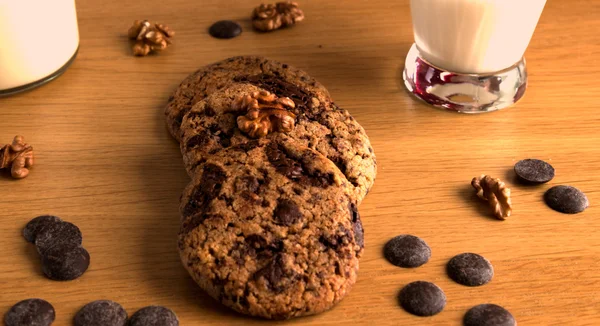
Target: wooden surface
pixel 105 162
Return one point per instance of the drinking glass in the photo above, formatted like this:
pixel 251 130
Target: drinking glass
pixel 468 54
pixel 39 39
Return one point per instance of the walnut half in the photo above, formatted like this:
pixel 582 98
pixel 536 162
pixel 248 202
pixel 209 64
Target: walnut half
pixel 17 156
pixel 495 193
pixel 265 113
pixel 149 37
pixel 269 17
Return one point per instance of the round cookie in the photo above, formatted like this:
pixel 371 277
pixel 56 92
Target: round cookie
pixel 211 126
pixel 268 74
pixel 269 229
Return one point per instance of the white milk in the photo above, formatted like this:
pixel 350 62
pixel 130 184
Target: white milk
pixel 37 38
pixel 474 36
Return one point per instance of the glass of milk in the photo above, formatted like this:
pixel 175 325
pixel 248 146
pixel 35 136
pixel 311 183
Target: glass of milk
pixel 468 54
pixel 39 39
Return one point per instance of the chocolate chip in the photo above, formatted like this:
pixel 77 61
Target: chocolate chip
pixel 407 251
pixel 470 269
pixel 256 241
pixel 30 312
pixel 101 313
pixel 533 171
pixel 154 316
pixel 63 234
pixel 64 263
pixel 566 199
pixel 286 213
pixel 198 140
pixel 225 29
pixel 422 298
pixel 209 188
pixel 38 224
pixel 276 275
pixel 357 226
pixel 488 315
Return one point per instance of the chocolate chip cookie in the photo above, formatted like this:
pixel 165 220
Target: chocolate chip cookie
pixel 269 229
pixel 211 126
pixel 268 74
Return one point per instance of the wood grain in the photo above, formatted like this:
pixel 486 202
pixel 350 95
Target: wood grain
pixel 106 163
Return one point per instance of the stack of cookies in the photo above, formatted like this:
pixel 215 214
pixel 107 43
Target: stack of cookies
pixel 269 223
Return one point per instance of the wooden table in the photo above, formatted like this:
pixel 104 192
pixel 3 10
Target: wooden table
pixel 106 163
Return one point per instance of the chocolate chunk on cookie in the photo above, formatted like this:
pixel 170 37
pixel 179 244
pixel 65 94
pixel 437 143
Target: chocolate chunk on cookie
pixel 211 126
pixel 154 316
pixel 488 315
pixel 245 69
pixel 101 313
pixel 62 234
pixel 422 298
pixel 65 262
pixel 407 251
pixel 566 199
pixel 534 171
pixel 470 269
pixel 259 245
pixel 30 312
pixel 36 225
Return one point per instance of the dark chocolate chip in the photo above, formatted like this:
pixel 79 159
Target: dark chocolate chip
pixel 422 298
pixel 256 241
pixel 38 224
pixel 534 171
pixel 488 315
pixel 154 316
pixel 198 140
pixel 209 188
pixel 286 213
pixel 277 276
pixel 30 312
pixel 225 29
pixel 63 234
pixel 566 199
pixel 407 251
pixel 64 263
pixel 101 313
pixel 470 269
pixel 357 227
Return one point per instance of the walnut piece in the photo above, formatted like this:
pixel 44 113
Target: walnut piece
pixel 495 193
pixel 17 156
pixel 265 113
pixel 269 17
pixel 149 37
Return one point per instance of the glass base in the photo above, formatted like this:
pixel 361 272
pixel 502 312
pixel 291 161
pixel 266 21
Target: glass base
pixel 466 93
pixel 54 75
